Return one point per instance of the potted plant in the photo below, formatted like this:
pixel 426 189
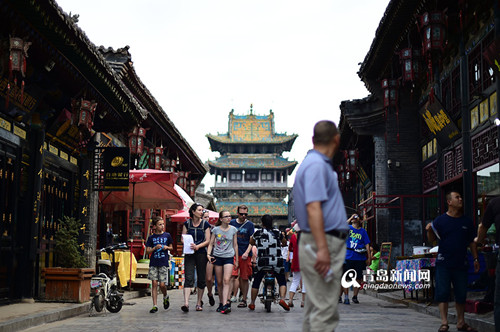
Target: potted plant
pixel 71 281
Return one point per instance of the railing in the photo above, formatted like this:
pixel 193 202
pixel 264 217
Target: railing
pixel 251 185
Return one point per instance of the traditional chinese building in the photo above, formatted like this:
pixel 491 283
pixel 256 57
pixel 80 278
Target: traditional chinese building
pixel 61 100
pixel 428 125
pixel 251 169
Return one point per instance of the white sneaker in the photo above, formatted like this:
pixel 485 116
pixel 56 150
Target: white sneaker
pixel 234 299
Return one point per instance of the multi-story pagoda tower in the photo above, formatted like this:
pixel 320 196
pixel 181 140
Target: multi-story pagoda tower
pixel 251 169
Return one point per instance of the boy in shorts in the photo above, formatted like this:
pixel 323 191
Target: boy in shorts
pixel 158 246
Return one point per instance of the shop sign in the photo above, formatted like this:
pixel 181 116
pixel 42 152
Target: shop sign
pixel 24 100
pixel 363 177
pixel 439 122
pixel 5 124
pixel 116 165
pixel 19 132
pixel 63 155
pixel 53 149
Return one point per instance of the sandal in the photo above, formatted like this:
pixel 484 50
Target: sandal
pixel 444 328
pixel 185 308
pixel 199 308
pixel 243 304
pixel 302 304
pixel 290 304
pixel 466 327
pixel 251 306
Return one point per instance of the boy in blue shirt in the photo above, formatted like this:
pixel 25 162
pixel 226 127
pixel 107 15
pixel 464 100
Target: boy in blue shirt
pixel 158 246
pixel 356 255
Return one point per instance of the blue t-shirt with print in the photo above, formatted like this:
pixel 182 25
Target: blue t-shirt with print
pixel 454 236
pixel 198 233
pixel 245 232
pixel 159 257
pixel 356 240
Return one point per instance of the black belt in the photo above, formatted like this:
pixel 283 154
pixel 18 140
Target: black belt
pixel 334 232
pixel 338 234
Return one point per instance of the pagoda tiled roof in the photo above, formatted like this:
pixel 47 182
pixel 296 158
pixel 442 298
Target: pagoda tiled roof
pixel 238 161
pixel 274 139
pixel 256 208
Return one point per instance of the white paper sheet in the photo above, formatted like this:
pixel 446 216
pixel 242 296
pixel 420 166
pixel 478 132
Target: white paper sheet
pixel 188 239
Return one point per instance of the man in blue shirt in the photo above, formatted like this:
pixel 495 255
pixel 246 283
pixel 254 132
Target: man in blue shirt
pixel 454 232
pixel 244 270
pixel 320 212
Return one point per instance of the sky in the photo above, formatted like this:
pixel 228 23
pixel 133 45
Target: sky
pixel 202 58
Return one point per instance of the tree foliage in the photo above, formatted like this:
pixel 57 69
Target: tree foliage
pixel 66 249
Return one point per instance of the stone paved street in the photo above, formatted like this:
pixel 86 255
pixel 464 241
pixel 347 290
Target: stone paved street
pixel 370 315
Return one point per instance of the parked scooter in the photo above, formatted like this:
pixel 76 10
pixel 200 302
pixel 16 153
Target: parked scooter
pixel 103 286
pixel 269 294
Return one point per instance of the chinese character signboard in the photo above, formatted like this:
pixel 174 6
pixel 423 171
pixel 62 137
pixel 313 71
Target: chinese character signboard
pixel 116 164
pixel 439 122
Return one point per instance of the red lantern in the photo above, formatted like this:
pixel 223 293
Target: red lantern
pixel 151 159
pixel 390 90
pixel 353 160
pixel 17 63
pixel 409 58
pixel 136 140
pixel 84 112
pixel 341 176
pixel 158 151
pixel 433 25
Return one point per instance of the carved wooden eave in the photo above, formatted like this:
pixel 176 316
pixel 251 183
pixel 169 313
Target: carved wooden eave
pixel 398 19
pixel 121 62
pixel 364 116
pixel 61 31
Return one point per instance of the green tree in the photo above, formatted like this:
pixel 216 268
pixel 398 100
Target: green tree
pixel 67 251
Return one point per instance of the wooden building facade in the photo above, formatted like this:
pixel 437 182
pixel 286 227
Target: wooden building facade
pixel 60 99
pixel 428 125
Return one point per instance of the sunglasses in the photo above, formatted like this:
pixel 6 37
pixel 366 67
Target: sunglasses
pixel 243 214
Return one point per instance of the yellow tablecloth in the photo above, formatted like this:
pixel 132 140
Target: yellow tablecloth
pixel 123 260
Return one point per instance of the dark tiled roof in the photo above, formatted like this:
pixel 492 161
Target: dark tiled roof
pixel 398 18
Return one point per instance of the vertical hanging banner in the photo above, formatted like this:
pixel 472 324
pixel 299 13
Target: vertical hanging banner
pixel 39 138
pixel 83 213
pixel 116 165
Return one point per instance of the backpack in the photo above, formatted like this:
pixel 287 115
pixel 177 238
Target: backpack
pixel 190 224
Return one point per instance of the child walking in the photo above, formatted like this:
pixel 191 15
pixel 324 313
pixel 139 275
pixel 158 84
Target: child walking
pixel 158 246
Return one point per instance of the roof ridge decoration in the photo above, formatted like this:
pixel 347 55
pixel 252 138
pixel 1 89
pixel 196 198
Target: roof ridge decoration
pixel 251 128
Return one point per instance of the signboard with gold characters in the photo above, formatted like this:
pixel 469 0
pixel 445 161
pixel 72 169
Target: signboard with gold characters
pixel 116 168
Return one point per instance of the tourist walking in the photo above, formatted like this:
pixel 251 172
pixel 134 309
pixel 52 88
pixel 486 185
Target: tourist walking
pixel 200 231
pixel 158 245
pixel 210 272
pixel 293 252
pixel 243 270
pixel 224 244
pixel 321 216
